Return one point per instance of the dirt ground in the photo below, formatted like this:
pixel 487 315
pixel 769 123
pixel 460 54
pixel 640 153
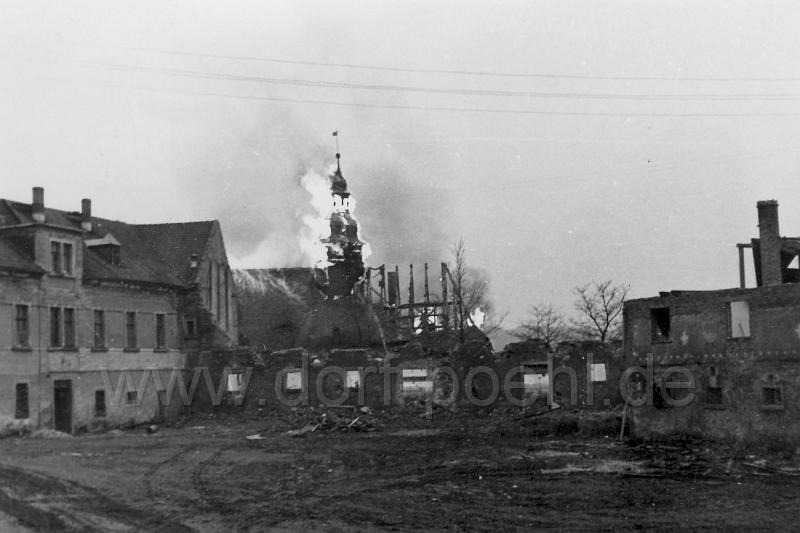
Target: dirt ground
pixel 457 474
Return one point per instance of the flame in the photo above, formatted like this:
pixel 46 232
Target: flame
pixel 316 226
pixel 477 316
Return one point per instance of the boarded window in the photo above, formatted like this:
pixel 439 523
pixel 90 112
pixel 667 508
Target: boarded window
pixel 21 404
pixel 100 403
pixel 740 319
pixel 535 383
pixel 598 372
pixel 131 334
pixel 235 382
pixel 69 328
pixel 353 379
pixel 21 326
pixel 99 329
pixel 55 327
pixel 660 324
pixel 294 381
pixel 415 380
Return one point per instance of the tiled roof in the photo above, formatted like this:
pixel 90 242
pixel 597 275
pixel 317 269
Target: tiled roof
pixel 149 253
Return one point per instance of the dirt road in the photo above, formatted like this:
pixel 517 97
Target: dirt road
pixel 430 476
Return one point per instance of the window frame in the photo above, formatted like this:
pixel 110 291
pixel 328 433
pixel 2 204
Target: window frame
pixel 731 333
pixel 131 331
pixel 20 410
pixel 62 257
pixel 160 337
pixel 99 334
pixel 70 328
pixel 657 333
pixel 56 339
pixel 22 338
pixel 100 413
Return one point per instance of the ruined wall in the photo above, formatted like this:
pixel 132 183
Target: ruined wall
pixel 744 367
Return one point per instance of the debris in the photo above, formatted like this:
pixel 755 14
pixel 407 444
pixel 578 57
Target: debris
pixel 50 434
pixel 308 428
pixel 256 436
pixel 153 428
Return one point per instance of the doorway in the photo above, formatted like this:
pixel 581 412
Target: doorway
pixel 62 405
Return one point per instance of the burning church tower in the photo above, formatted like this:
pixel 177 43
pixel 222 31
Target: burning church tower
pixel 344 249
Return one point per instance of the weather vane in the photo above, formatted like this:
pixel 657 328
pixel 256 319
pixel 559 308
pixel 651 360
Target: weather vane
pixel 336 134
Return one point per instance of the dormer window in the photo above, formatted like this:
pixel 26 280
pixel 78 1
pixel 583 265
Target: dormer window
pixel 61 258
pixel 108 248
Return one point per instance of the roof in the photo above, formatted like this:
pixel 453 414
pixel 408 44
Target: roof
pixel 12 258
pixel 148 253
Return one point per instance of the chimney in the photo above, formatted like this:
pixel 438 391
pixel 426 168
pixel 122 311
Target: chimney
pixel 38 204
pixel 86 214
pixel 769 242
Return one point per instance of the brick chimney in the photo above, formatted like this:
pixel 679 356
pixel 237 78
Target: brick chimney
pixel 38 204
pixel 86 214
pixel 769 242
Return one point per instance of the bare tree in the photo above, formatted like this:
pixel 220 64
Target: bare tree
pixel 471 292
pixel 544 322
pixel 600 307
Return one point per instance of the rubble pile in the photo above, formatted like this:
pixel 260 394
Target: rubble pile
pixel 364 421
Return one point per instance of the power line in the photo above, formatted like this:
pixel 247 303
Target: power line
pixel 450 71
pixel 459 91
pixel 447 109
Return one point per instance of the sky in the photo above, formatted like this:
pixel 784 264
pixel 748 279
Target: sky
pixel 564 141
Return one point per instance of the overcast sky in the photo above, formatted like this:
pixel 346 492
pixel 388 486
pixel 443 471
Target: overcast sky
pixel 564 141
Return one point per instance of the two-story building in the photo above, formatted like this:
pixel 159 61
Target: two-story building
pixel 722 363
pixel 97 316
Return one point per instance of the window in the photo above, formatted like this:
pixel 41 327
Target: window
pixel 294 381
pixel 99 403
pixel 131 340
pixel 660 324
pixel 55 252
pixel 21 404
pixel 61 257
pixel 190 327
pixel 713 389
pixel 353 379
pixel 714 395
pixel 67 255
pixel 69 328
pixel 99 329
pixel 55 327
pixel 132 396
pixel 771 395
pixel 739 319
pixel 771 392
pixel 21 326
pixel 598 372
pixel 161 333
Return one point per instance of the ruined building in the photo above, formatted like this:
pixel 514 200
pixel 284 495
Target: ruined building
pixel 88 302
pixel 723 363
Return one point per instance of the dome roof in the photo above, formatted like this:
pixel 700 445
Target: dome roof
pixel 338 183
